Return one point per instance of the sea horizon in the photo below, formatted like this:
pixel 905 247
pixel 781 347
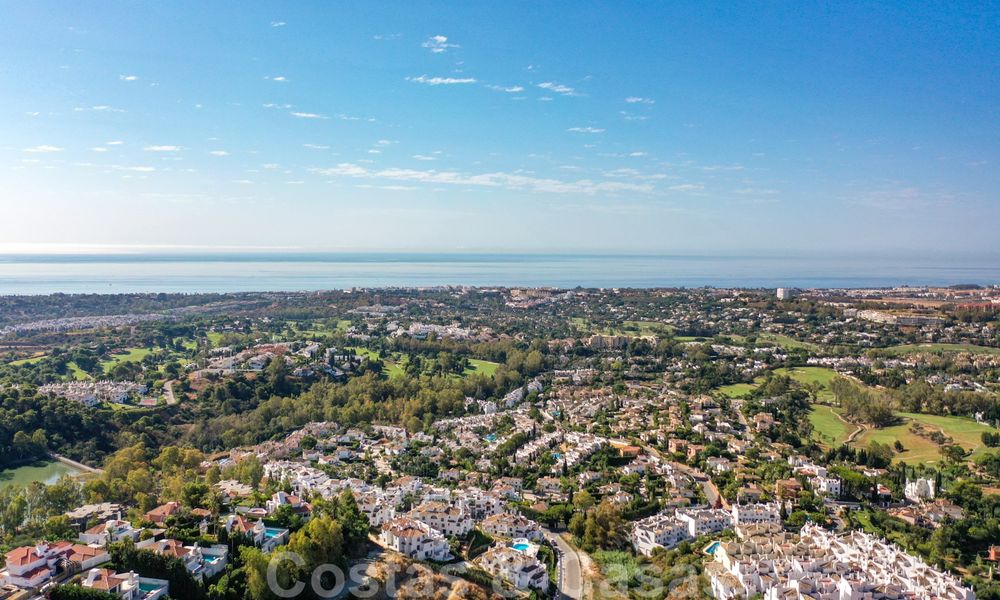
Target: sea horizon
pixel 288 271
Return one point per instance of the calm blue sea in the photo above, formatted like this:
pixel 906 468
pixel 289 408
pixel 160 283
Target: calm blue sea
pixel 121 273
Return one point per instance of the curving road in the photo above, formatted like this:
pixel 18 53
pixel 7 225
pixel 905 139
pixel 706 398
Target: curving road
pixel 570 583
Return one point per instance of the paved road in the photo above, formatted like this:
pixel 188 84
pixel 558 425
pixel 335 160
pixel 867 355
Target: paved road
pixel 168 392
pixel 570 572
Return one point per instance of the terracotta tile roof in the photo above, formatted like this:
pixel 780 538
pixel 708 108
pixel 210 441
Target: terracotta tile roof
pixel 22 556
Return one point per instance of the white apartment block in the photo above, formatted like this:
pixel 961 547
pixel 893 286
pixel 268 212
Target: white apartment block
pixel 415 540
pixel 375 506
pixel 702 521
pixel 511 526
pixel 820 565
pixel 750 514
pixel 658 531
pixel 449 519
pixel 517 568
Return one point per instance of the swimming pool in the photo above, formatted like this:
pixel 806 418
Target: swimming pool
pixel 522 547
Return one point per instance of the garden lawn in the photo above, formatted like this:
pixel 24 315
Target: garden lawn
pixel 966 433
pixel 77 373
pixel 828 429
pixel 26 361
pixel 130 355
pixel 737 389
pixel 481 367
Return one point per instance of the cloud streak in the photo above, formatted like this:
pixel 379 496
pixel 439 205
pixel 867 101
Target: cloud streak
pixel 558 88
pixel 423 79
pixel 438 44
pixel 513 181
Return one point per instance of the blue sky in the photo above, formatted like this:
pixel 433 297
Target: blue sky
pixel 674 127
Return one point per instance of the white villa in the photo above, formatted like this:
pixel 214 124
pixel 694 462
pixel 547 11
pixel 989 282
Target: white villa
pixel 109 532
pixel 128 586
pixel 204 562
pixel 919 490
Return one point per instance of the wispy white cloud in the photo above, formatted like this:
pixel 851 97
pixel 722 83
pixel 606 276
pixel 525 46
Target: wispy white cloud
pixel 516 181
pixel 128 77
pixel 387 36
pixel 99 149
pixel 315 146
pixel 637 154
pixel 441 80
pixel 424 157
pixel 586 130
pixel 633 117
pixel 278 23
pixel 114 143
pixel 639 100
pixel 275 105
pixel 43 149
pixel 558 88
pixel 219 153
pixel 513 89
pixel 687 187
pixel 98 108
pixel 308 115
pixel 438 44
pixel 162 148
pixel 278 78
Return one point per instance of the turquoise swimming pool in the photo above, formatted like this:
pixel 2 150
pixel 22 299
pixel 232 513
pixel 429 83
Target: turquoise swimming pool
pixel 520 547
